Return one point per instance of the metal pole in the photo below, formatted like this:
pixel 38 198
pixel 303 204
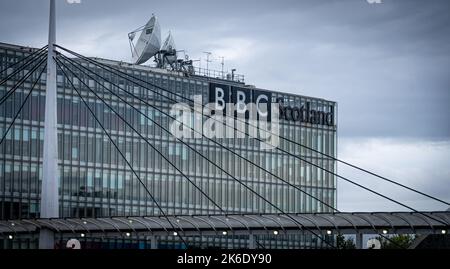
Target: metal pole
pixel 50 183
pixel 223 76
pixel 359 240
pixel 252 241
pixel 153 242
pixel 207 62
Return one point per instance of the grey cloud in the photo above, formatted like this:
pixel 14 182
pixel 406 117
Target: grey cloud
pixel 419 164
pixel 386 65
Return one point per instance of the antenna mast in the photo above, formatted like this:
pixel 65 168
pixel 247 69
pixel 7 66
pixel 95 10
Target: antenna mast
pixel 222 63
pixel 207 61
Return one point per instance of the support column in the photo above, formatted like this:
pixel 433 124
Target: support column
pixel 359 240
pixel 50 183
pixel 153 242
pixel 46 239
pixel 252 241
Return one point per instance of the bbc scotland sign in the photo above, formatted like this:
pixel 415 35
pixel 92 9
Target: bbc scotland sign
pixel 221 95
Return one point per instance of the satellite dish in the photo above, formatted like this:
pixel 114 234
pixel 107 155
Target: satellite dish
pixel 131 35
pixel 169 47
pixel 169 43
pixel 373 244
pixel 73 244
pixel 149 41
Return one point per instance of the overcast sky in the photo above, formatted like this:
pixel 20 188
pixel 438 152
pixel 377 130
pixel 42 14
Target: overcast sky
pixel 387 65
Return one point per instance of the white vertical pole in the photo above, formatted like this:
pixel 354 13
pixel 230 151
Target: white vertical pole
pixel 251 241
pixel 359 240
pixel 50 183
pixel 153 242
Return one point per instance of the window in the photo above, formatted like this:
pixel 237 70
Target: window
pixel 26 134
pixel 90 182
pixel 120 181
pixel 74 153
pixel 16 134
pixel 184 154
pixel 113 181
pixel 105 180
pixel 143 119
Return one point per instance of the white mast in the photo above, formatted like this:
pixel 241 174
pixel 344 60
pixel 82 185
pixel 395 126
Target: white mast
pixel 50 183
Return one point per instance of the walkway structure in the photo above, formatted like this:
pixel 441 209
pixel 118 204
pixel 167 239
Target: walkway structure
pixel 152 227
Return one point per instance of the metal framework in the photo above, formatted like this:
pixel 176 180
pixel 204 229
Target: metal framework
pixel 239 224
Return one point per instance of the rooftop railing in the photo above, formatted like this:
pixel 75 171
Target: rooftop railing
pixel 218 74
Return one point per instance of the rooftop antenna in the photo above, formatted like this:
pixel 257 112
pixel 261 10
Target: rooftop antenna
pixel 222 63
pixel 198 60
pixel 207 61
pixel 184 54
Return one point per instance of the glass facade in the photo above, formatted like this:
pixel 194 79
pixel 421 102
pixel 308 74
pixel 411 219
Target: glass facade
pixel 96 182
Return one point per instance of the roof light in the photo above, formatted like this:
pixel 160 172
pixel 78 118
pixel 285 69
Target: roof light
pixel 275 232
pixel 175 233
pixel 224 232
pixel 443 231
pixel 10 236
pixel 128 234
pixel 385 231
pixel 329 232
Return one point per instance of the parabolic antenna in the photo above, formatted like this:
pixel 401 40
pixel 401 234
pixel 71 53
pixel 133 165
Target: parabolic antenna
pixel 169 46
pixel 73 244
pixel 148 43
pixel 373 244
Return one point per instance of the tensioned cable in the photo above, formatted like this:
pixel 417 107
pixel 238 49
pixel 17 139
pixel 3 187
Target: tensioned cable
pixel 141 136
pixel 161 111
pixel 23 59
pixel 173 99
pixel 315 165
pixel 23 104
pixel 156 123
pixel 20 82
pixel 212 140
pixel 217 143
pixel 123 156
pixel 284 138
pixel 123 100
pixel 35 55
pixel 220 208
pixel 224 213
pixel 180 141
